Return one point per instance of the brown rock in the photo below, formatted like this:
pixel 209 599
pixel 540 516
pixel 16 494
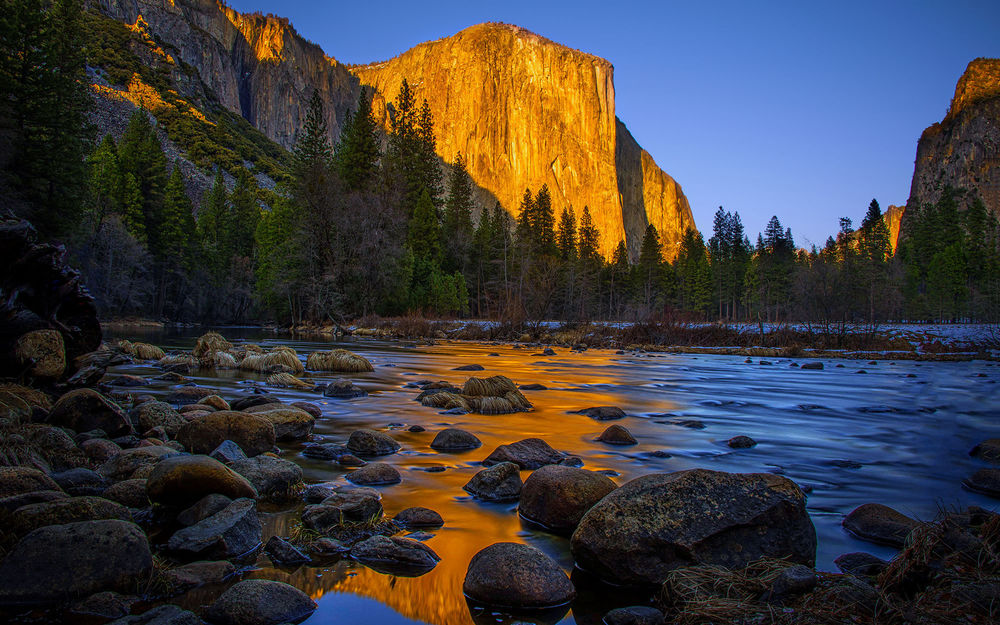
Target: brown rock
pixel 84 409
pixel 69 510
pixel 42 352
pixel 290 424
pixel 254 434
pixel 183 480
pixel 557 497
pixel 125 464
pixel 512 575
pixel 879 524
pixel 19 480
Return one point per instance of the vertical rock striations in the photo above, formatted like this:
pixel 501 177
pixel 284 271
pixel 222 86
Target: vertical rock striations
pixel 963 150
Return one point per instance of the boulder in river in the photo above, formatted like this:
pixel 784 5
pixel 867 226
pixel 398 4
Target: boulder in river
pixel 617 435
pixel 228 452
pixel 203 508
pixel 455 439
pixel 62 511
pixel 988 450
pixel 260 602
pixel 985 481
pixel 529 453
pixel 375 474
pixel 634 615
pixel 230 533
pixel 417 516
pixel 284 553
pixel 106 555
pixel 500 482
pixel 741 442
pixel 183 480
pixel 85 409
pixel 603 413
pixel 151 414
pixel 372 443
pixel 275 479
pixel 343 389
pixel 557 497
pixel 879 524
pixel 654 524
pixel 290 424
pixel 512 575
pixel 253 433
pixel 124 464
pixel 346 506
pixel 403 556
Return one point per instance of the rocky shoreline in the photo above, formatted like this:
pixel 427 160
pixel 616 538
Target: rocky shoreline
pixel 113 499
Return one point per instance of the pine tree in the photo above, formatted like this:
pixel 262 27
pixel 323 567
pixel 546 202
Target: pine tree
pixel 214 212
pixel 44 101
pixel 312 142
pixel 590 238
pixel 105 180
pixel 649 270
pixel 458 217
pixel 177 223
pixel 424 237
pixel 526 222
pixel 429 170
pixel 543 231
pixel 243 217
pixel 140 154
pixel 566 238
pixel 358 153
pixel 693 273
pixel 875 251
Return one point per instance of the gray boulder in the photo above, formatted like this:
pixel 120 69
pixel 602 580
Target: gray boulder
pixel 273 478
pixel 512 575
pixel 557 497
pixel 879 524
pixel 372 443
pixel 230 533
pixel 260 602
pixel 501 482
pixel 529 453
pixel 395 555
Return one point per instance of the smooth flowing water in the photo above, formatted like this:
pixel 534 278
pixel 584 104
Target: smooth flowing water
pixel 897 435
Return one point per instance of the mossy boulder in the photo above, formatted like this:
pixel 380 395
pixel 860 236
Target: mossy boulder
pixel 183 480
pixel 254 434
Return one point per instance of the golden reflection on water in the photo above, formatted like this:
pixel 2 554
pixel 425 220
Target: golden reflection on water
pixel 805 421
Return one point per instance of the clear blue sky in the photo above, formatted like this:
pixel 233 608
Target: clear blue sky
pixel 802 109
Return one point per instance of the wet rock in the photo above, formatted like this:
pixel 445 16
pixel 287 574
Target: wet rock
pixel 315 493
pixel 84 409
pixel 501 482
pixel 372 443
pixel 617 435
pixel 557 497
pixel 879 524
pixel 603 413
pixel 395 555
pixel 343 389
pixel 533 387
pixel 189 395
pixel 42 353
pixel 512 575
pixel 168 614
pixel 99 450
pixel 250 402
pixel 61 511
pixel 794 580
pixel 290 424
pixel 985 481
pixel 469 368
pixel 153 414
pixel 103 606
pixel 55 446
pixel 350 460
pixel 81 481
pixel 375 474
pixel 454 439
pixel 571 461
pixel 812 366
pixel 260 602
pixel 284 553
pixel 651 525
pixel 861 564
pixel 324 451
pixel 131 493
pixel 988 450
pixel 347 506
pixel 183 480
pixel 13 502
pixel 204 508
pixel 253 433
pixel 234 531
pixel 309 407
pixel 419 517
pixel 196 574
pixel 328 547
pixel 106 555
pixel 274 478
pixel 634 615
pixel 129 381
pixel 741 442
pixel 417 428
pixel 529 453
pixel 123 465
pixel 548 351
pixel 216 402
pixel 228 452
pixel 691 424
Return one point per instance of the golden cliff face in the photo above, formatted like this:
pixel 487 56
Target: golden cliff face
pixel 524 112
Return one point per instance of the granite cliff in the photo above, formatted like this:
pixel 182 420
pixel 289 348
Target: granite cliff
pixel 963 150
pixel 523 110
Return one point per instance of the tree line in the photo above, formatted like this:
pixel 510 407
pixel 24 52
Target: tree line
pixel 378 224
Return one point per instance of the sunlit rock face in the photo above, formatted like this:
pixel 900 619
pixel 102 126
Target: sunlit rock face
pixel 893 217
pixel 963 150
pixel 524 111
pixel 257 66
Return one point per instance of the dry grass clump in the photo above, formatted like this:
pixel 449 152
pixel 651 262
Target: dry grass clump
pixel 217 360
pixel 142 351
pixel 446 401
pixel 126 347
pixel 252 348
pixel 339 360
pixel 287 380
pixel 277 361
pixel 211 342
pixel 178 359
pixel 495 386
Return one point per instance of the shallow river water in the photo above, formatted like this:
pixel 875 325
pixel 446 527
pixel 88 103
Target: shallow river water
pixel 897 435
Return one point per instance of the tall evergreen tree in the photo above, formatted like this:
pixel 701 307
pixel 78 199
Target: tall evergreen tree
pixel 458 217
pixel 140 154
pixel 566 237
pixel 358 152
pixel 312 142
pixel 590 237
pixel 693 273
pixel 648 272
pixel 543 231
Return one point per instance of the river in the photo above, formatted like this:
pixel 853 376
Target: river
pixel 898 434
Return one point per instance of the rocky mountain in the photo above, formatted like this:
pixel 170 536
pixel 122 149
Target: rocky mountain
pixel 963 150
pixel 523 110
pixel 893 218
